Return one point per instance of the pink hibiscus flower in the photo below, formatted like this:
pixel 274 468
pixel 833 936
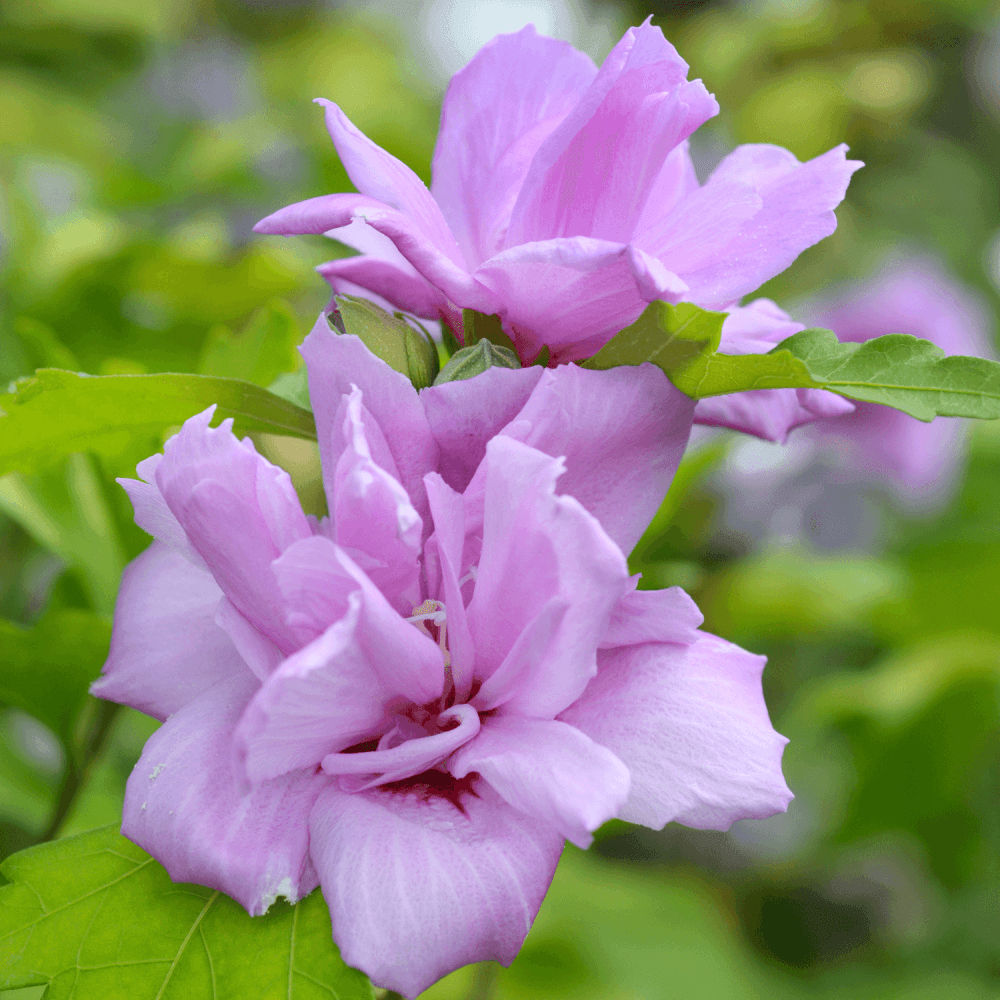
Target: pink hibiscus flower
pixel 564 199
pixel 415 701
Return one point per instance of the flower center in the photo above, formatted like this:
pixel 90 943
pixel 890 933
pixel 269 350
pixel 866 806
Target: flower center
pixel 434 615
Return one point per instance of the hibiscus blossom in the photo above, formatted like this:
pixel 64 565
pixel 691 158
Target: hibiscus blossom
pixel 564 199
pixel 415 701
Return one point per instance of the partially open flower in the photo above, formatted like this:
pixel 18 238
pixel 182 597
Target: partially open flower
pixel 564 199
pixel 414 701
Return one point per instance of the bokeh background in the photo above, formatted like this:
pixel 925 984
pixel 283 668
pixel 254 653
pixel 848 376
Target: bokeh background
pixel 139 143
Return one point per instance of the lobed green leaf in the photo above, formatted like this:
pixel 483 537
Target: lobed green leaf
pixel 897 370
pixel 55 412
pixel 95 917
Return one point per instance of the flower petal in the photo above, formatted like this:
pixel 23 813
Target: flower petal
pixel 548 770
pixel 371 513
pixel 538 546
pixel 690 724
pixel 418 886
pixel 317 577
pixel 545 194
pixel 239 511
pixel 323 699
pixel 185 805
pixel 166 649
pixel 799 199
pixel 497 112
pixel 622 432
pixel 400 289
pixel 653 616
pixel 573 294
pixel 464 415
pixel 336 364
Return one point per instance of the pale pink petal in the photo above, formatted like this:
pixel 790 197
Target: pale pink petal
pixel 622 433
pixel 258 652
pixel 497 112
pixel 653 616
pixel 317 577
pixel 799 199
pixel 675 182
pixel 323 699
pixel 447 544
pixel 336 363
pixel 548 770
pixel 319 215
pixel 464 415
pixel 239 511
pixel 186 805
pixel 418 886
pixel 381 176
pixel 408 292
pixel 599 184
pixel 152 513
pixel 539 198
pixel 371 513
pixel 574 294
pixel 538 546
pixel 690 724
pixel 367 769
pixel 166 649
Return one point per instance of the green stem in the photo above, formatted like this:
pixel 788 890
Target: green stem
pixel 79 766
pixel 484 981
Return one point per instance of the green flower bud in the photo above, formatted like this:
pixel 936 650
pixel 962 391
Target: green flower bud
pixel 470 361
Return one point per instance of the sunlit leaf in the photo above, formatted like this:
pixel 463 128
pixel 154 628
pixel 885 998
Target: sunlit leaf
pixel 46 670
pixel 55 412
pixel 96 917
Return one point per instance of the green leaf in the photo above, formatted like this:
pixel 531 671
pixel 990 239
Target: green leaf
pixel 897 370
pixel 44 343
pixel 46 670
pixel 65 509
pixel 478 326
pixel 903 372
pixel 96 918
pixel 390 338
pixel 266 349
pixel 471 361
pixel 55 412
pixel 683 340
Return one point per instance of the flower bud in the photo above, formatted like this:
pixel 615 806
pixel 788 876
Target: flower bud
pixel 470 361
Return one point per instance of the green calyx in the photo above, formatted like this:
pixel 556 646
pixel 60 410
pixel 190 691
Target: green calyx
pixel 400 345
pixel 471 361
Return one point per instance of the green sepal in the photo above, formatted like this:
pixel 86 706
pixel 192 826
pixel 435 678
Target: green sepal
pixel 478 326
pixel 55 413
pixel 471 361
pixel 391 338
pixel 94 917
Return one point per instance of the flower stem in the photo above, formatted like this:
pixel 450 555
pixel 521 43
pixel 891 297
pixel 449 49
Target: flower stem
pixel 484 981
pixel 80 764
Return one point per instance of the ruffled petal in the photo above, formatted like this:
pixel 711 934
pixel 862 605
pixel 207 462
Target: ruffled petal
pixel 185 804
pixel 537 547
pixel 653 616
pixel 240 513
pixel 166 649
pixel 323 699
pixel 799 199
pixel 465 414
pixel 317 579
pixel 371 514
pixel 622 432
pixel 336 364
pixel 497 112
pixel 419 886
pixel 640 50
pixel 400 289
pixel 548 770
pixel 573 294
pixel 690 724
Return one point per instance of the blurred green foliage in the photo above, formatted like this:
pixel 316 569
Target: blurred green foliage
pixel 139 143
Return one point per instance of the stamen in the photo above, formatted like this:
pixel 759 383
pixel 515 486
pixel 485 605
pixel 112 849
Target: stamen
pixel 436 613
pixel 470 576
